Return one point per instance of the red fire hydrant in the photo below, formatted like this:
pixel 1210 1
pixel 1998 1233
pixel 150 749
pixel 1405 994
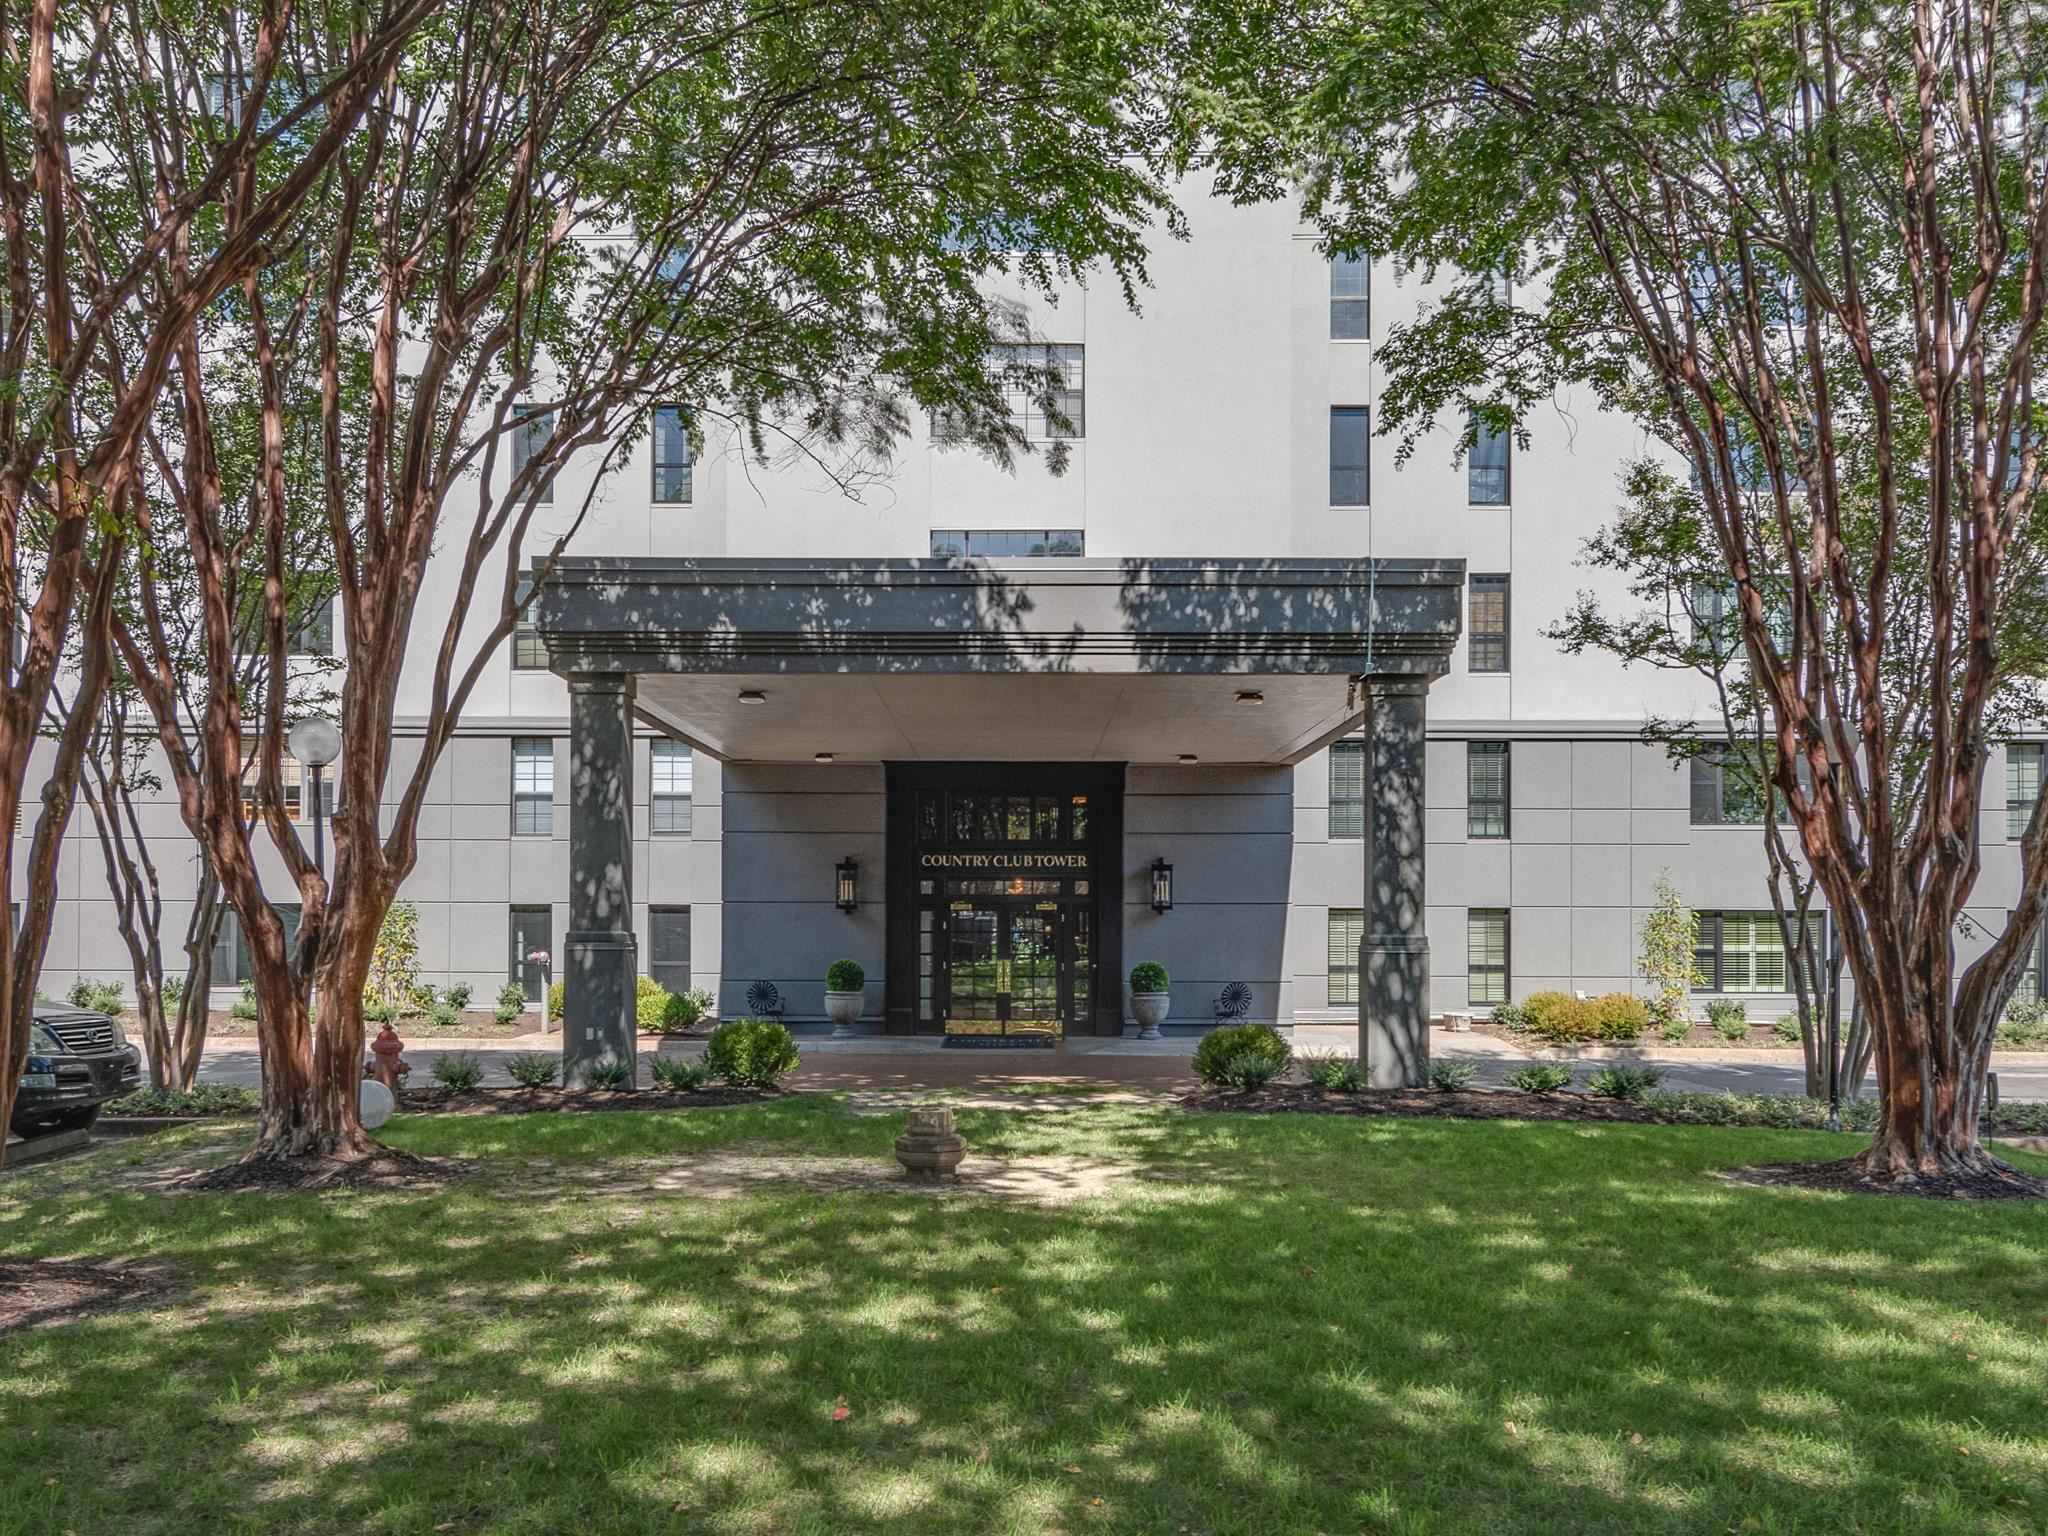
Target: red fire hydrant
pixel 389 1066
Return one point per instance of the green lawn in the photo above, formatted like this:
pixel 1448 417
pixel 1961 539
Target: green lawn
pixel 1305 1325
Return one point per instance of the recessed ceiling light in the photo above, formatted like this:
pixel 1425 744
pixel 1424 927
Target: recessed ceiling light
pixel 1189 757
pixel 1250 696
pixel 753 696
pixel 821 757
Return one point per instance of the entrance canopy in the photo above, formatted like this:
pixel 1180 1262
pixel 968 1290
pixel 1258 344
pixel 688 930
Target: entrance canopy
pixel 1244 661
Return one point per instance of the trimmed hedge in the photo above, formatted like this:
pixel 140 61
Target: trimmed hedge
pixel 750 1053
pixel 1214 1055
pixel 1564 1019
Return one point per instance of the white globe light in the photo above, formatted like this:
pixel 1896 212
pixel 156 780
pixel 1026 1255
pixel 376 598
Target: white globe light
pixel 315 741
pixel 374 1103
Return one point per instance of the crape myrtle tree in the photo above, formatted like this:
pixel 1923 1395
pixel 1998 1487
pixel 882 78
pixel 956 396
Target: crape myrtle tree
pixel 556 216
pixel 89 221
pixel 1803 245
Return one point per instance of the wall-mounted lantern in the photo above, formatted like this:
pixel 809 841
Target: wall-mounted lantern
pixel 847 884
pixel 1162 886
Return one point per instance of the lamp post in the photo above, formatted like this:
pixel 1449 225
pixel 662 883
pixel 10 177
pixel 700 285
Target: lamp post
pixel 315 741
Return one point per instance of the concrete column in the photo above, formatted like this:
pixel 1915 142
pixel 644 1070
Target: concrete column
pixel 601 962
pixel 1393 958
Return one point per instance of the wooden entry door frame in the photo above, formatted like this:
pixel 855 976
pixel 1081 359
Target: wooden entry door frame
pixel 1103 783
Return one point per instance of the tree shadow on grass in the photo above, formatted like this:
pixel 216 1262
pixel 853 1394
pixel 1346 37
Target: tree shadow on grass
pixel 1317 1326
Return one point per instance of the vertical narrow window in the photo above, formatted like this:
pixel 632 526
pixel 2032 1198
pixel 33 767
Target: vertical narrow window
pixel 2022 785
pixel 669 787
pixel 1347 789
pixel 315 634
pixel 668 947
pixel 533 932
pixel 2029 989
pixel 672 467
pixel 1350 456
pixel 531 429
pixel 528 654
pixel 1486 466
pixel 533 786
pixel 1347 932
pixel 1350 298
pixel 1486 955
pixel 1487 625
pixel 1486 789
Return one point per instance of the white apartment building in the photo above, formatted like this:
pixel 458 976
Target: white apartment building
pixel 1225 429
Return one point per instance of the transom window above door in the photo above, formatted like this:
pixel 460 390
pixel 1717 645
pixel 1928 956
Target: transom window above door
pixel 979 820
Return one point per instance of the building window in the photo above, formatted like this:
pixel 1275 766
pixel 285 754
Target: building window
pixel 1725 792
pixel 2022 785
pixel 1486 466
pixel 292 777
pixel 1024 370
pixel 1347 789
pixel 1486 789
pixel 668 947
pixel 232 963
pixel 1350 298
pixel 672 468
pixel 1350 456
pixel 531 430
pixel 669 786
pixel 1741 952
pixel 1006 544
pixel 2029 989
pixel 1347 932
pixel 528 654
pixel 1717 619
pixel 533 786
pixel 1486 640
pixel 533 932
pixel 315 634
pixel 1486 955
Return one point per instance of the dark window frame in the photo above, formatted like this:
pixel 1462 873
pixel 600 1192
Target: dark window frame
pixel 1340 963
pixel 528 653
pixel 1346 491
pixel 2018 812
pixel 670 814
pixel 1495 805
pixel 534 806
pixel 1347 803
pixel 683 471
pixel 1482 646
pixel 1500 978
pixel 665 970
pixel 1350 309
pixel 1710 953
pixel 532 427
pixel 1491 455
pixel 1052 543
pixel 519 944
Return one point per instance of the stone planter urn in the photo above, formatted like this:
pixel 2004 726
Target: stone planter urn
pixel 1149 1009
pixel 929 1146
pixel 843 1009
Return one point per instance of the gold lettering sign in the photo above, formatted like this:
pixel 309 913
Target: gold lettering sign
pixel 1003 861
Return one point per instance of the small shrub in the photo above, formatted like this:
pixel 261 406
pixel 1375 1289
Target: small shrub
pixel 533 1069
pixel 1543 1013
pixel 1149 976
pixel 558 997
pixel 2025 1024
pixel 1767 1110
pixel 204 1099
pixel 100 996
pixel 750 1053
pixel 173 993
pixel 423 997
pixel 444 1015
pixel 1623 1082
pixel 1617 1016
pixel 685 1008
pixel 1611 1016
pixel 1510 1016
pixel 375 1012
pixel 1786 1027
pixel 1730 1020
pixel 608 1075
pixel 512 1002
pixel 1334 1074
pixel 244 1005
pixel 457 996
pixel 1449 1076
pixel 1673 1026
pixel 684 1074
pixel 1248 1070
pixel 1220 1045
pixel 1541 1077
pixel 845 976
pixel 650 1003
pixel 458 1071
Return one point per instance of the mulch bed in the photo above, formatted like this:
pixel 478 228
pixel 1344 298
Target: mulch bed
pixel 433 1099
pixel 1418 1103
pixel 1996 1181
pixel 387 1168
pixel 41 1293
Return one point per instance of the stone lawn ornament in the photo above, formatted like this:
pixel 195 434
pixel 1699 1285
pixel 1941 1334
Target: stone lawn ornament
pixel 929 1146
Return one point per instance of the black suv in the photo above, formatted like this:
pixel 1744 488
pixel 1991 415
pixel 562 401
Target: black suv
pixel 77 1060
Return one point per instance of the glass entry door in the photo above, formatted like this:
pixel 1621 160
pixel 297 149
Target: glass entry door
pixel 1009 968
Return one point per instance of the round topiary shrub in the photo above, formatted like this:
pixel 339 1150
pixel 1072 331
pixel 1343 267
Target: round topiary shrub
pixel 750 1053
pixel 684 1009
pixel 1149 976
pixel 1553 1015
pixel 1214 1056
pixel 650 1004
pixel 1616 1016
pixel 845 976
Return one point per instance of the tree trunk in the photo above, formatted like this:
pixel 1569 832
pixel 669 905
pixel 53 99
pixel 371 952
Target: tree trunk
pixel 194 1003
pixel 1929 1098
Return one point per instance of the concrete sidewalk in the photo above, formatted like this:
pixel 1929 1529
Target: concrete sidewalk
pixel 880 1062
